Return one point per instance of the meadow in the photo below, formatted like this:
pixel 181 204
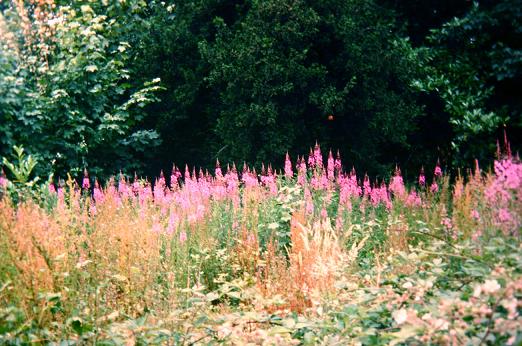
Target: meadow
pixel 312 254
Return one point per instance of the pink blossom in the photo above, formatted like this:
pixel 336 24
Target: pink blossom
pixel 309 205
pixel 182 237
pixel 86 183
pixel 446 222
pixel 318 157
pixel 324 213
pixel 3 180
pixel 397 185
pixel 413 199
pixel 422 177
pixel 438 171
pixel 490 286
pixel 366 186
pixel 337 162
pixel 123 189
pixel 98 193
pixel 301 171
pixel 330 166
pixel 434 187
pixel 288 167
pixel 218 172
pixel 400 316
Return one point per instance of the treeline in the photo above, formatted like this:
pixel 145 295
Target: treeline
pixel 137 85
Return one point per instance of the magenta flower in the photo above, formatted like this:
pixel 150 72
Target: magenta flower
pixel 218 172
pixel 438 170
pixel 85 183
pixel 318 157
pixel 288 167
pixel 413 200
pixel 366 186
pixel 422 178
pixel 98 193
pixel 397 184
pixel 3 180
pixel 330 166
pixel 182 237
pixel 337 162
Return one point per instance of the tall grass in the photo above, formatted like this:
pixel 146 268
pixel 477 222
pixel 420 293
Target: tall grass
pixel 129 250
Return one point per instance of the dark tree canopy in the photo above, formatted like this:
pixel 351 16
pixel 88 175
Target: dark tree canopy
pixel 385 82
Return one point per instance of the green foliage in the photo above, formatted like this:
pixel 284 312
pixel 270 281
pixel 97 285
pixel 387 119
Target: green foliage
pixel 282 68
pixel 23 183
pixel 23 170
pixel 473 63
pixel 249 80
pixel 73 93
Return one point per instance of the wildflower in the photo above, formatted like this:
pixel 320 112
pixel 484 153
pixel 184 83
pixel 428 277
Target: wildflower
pixel 182 237
pixel 156 228
pixel 434 187
pixel 446 222
pixel 438 170
pixel 318 157
pixel 337 162
pixel 324 213
pixel 504 216
pixel 330 166
pixel 366 186
pixel 3 180
pixel 490 286
pixel 174 178
pixel 288 167
pixel 422 178
pixel 123 189
pixel 397 184
pixel 98 193
pixel 301 171
pixel 475 214
pixel 85 183
pixel 400 316
pixel 413 199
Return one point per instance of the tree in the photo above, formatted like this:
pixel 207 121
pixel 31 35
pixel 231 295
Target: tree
pixel 70 67
pixel 285 66
pixel 474 64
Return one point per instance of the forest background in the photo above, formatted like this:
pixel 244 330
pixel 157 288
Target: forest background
pixel 136 85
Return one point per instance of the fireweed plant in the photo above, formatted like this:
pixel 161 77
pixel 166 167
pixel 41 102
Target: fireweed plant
pixel 312 254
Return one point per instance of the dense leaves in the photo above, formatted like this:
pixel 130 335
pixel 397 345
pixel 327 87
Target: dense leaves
pixel 385 82
pixel 68 99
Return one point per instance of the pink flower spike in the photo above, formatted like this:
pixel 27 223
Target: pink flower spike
pixel 438 170
pixel 3 180
pixel 182 237
pixel 337 163
pixel 288 167
pixel 85 183
pixel 318 157
pixel 218 172
pixel 422 178
pixel 434 187
pixel 330 166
